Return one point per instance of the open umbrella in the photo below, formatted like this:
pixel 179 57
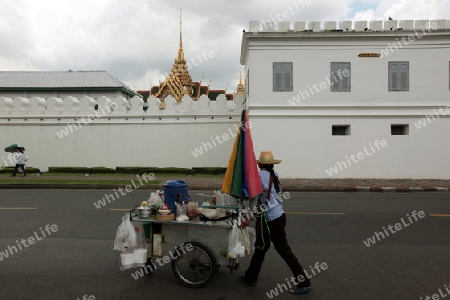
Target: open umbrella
pixel 242 176
pixel 13 148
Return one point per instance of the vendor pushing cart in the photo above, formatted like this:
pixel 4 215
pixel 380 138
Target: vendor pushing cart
pixel 196 248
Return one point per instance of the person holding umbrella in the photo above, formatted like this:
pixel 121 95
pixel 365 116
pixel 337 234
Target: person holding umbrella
pixel 20 158
pixel 270 228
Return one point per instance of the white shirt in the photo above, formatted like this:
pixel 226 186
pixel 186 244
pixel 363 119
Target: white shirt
pixel 20 158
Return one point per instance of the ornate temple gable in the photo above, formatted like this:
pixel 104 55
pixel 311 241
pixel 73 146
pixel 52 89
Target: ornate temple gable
pixel 171 86
pixel 179 82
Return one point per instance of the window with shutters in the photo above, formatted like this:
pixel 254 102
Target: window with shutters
pixel 282 77
pixel 398 76
pixel 340 77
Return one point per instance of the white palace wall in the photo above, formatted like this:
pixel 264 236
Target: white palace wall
pixel 297 125
pixel 70 132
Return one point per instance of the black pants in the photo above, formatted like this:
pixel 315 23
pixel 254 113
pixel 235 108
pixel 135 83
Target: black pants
pixel 273 231
pixel 17 170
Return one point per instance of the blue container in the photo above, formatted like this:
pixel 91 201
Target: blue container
pixel 175 191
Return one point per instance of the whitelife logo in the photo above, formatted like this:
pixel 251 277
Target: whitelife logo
pixel 356 158
pixel 398 226
pixel 179 251
pixel 128 189
pixel 86 120
pixel 298 6
pixel 11 250
pixel 316 88
pixel 281 287
pixel 220 139
pixel 432 118
pixel 411 38
pixel 439 296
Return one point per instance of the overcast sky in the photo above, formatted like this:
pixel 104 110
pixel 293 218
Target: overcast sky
pixel 137 40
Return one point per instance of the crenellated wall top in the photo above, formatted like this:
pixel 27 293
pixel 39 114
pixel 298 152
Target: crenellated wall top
pixel 119 106
pixel 272 25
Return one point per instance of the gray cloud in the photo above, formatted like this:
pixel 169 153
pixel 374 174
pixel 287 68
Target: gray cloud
pixel 137 40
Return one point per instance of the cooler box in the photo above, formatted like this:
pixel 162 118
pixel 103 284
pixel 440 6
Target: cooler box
pixel 175 190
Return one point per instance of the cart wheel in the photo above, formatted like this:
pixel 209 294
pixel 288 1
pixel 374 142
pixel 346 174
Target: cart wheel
pixel 195 268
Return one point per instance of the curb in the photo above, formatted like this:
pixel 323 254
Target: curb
pixel 388 189
pixel 348 189
pixel 74 186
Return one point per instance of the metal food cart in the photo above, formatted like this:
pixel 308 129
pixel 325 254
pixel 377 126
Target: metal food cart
pixel 196 248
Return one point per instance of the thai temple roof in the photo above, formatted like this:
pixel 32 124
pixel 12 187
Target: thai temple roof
pixel 240 90
pixel 179 82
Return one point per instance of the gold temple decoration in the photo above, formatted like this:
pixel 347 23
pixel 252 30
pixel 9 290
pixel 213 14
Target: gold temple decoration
pixel 179 82
pixel 240 90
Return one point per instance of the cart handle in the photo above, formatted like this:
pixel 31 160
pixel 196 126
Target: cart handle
pixel 219 206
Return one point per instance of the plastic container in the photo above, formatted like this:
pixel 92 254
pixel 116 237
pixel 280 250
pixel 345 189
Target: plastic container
pixel 174 191
pixel 127 260
pixel 140 256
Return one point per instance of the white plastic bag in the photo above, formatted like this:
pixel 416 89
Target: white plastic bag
pixel 125 235
pixel 236 245
pixel 155 197
pixel 134 256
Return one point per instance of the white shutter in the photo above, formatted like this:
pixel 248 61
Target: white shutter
pixel 398 76
pixel 340 83
pixel 282 77
pixel 404 76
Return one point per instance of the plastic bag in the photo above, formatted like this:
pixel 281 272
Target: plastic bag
pixel 236 244
pixel 135 256
pixel 125 235
pixel 155 197
pixel 155 201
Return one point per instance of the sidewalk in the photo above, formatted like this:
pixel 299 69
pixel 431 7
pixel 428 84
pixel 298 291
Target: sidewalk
pixel 211 183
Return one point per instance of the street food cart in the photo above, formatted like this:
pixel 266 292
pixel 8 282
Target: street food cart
pixel 196 248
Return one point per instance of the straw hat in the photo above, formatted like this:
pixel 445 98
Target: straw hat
pixel 266 157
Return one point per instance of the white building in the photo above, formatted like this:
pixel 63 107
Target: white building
pixel 351 100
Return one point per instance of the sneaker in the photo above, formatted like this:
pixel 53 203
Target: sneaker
pixel 246 281
pixel 301 290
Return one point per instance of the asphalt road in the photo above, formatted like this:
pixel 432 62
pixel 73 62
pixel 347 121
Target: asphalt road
pixel 77 259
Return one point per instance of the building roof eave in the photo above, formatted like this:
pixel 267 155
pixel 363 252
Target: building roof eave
pixel 122 89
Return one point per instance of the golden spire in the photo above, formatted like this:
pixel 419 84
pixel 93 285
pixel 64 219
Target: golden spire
pixel 240 90
pixel 180 50
pixel 179 68
pixel 178 82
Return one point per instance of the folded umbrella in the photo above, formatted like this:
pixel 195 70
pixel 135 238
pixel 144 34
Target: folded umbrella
pixel 242 176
